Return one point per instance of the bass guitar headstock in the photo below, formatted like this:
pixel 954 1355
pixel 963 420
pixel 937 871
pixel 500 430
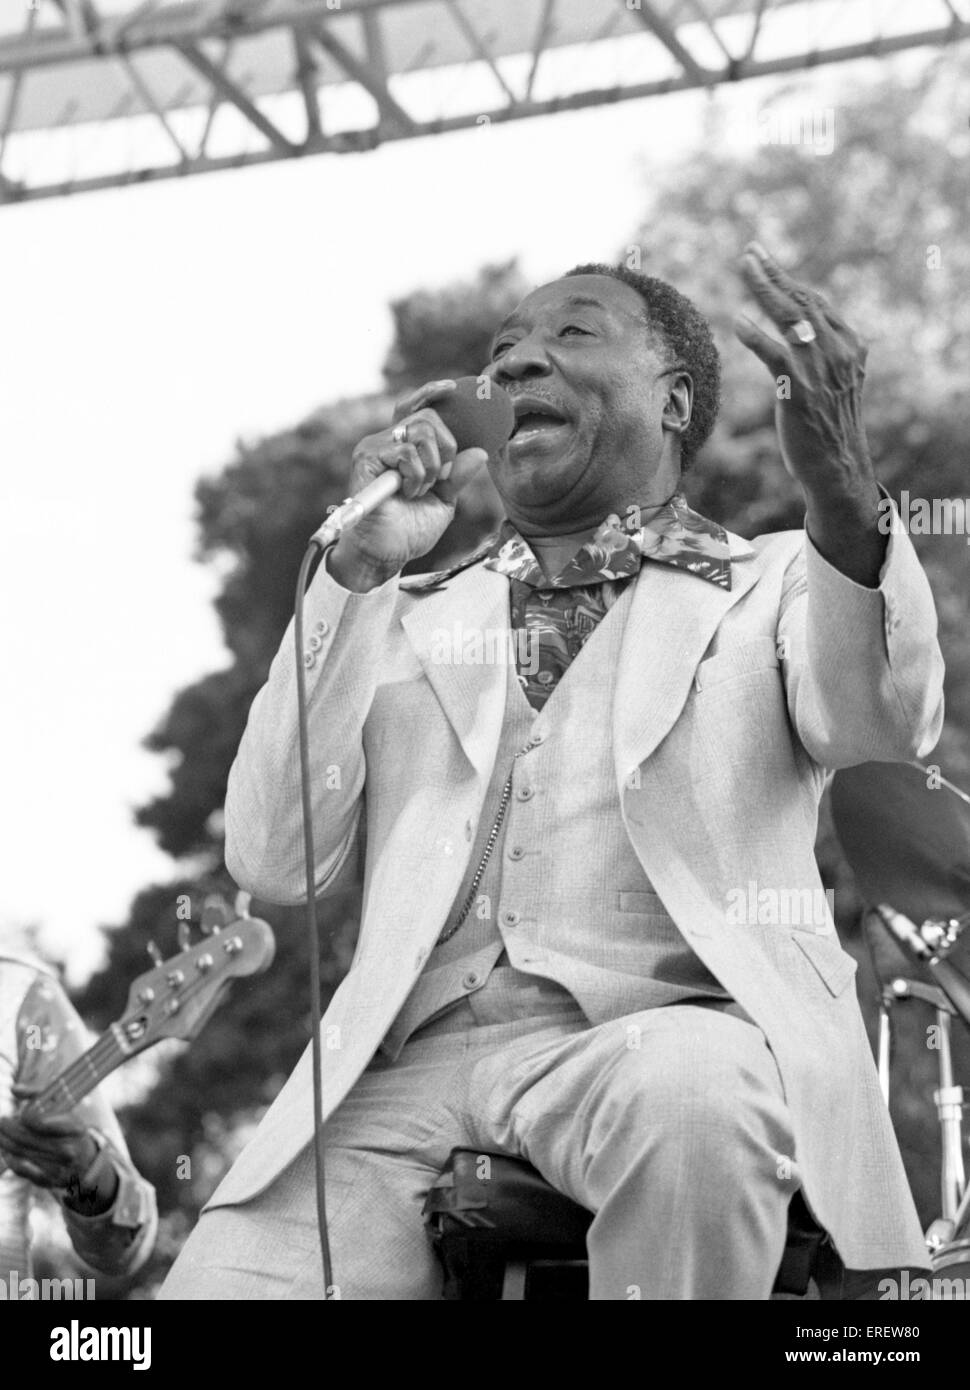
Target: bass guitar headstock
pixel 176 998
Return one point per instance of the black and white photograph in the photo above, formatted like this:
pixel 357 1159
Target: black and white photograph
pixel 485 554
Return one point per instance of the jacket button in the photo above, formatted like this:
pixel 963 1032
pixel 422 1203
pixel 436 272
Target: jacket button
pixel 516 852
pixel 471 979
pixel 468 829
pixel 525 793
pixel 511 918
pixel 321 626
pixel 309 660
pixel 315 643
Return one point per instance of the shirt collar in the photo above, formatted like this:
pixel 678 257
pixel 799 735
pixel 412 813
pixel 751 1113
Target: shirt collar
pixel 673 534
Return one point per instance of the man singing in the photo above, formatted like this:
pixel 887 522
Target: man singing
pixel 551 962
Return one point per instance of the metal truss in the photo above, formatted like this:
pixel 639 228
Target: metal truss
pixel 203 85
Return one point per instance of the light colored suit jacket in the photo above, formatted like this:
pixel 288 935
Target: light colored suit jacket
pixel 729 706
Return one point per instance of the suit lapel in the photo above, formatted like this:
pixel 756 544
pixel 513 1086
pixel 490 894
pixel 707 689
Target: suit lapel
pixel 672 620
pixel 460 634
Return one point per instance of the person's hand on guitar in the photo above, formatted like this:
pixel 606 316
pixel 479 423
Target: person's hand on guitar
pixel 60 1153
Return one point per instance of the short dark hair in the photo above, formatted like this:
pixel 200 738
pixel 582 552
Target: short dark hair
pixel 687 334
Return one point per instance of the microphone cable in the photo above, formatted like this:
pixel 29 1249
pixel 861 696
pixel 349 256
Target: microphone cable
pixel 477 421
pixel 314 551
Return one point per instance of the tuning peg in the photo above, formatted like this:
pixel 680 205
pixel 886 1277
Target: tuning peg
pixel 184 935
pixel 216 913
pixel 155 954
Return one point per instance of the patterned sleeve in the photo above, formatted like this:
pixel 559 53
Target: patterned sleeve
pixel 50 1036
pixel 15 1192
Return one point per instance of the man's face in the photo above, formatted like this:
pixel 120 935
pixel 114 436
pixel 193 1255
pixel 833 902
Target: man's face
pixel 589 386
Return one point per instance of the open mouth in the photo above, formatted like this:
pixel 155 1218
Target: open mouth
pixel 534 417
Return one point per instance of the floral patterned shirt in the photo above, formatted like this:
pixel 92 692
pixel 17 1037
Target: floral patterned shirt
pixel 559 614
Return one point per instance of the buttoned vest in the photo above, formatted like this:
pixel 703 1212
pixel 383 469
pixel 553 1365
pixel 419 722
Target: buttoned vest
pixel 563 895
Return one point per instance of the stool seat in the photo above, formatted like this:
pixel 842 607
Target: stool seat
pixel 501 1231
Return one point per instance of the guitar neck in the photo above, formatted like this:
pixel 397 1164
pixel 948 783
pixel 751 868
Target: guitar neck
pixel 79 1079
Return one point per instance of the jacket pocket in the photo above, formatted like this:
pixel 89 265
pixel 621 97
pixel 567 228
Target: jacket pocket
pixel 760 654
pixel 834 966
pixel 642 901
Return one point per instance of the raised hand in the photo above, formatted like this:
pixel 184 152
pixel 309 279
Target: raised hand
pixel 819 370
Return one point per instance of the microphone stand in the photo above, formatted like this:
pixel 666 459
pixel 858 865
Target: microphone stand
pixel 930 943
pixel 949 1104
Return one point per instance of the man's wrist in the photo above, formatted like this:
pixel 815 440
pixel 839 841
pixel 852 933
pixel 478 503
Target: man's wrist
pixel 354 571
pixel 846 532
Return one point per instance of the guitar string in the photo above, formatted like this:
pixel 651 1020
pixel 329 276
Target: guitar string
pixel 63 1086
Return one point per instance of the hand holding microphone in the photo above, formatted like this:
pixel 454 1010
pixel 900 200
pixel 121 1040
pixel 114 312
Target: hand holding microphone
pixel 443 432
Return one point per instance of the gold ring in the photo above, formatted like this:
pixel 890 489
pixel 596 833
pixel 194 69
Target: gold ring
pixel 400 434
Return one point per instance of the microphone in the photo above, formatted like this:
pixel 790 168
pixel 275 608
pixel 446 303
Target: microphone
pixel 906 932
pixel 932 952
pixel 476 422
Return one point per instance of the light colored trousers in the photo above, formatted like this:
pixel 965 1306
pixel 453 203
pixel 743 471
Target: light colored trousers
pixel 669 1124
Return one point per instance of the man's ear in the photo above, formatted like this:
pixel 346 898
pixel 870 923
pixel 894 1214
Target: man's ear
pixel 679 403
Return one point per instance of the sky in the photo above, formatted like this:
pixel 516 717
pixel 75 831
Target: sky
pixel 145 330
